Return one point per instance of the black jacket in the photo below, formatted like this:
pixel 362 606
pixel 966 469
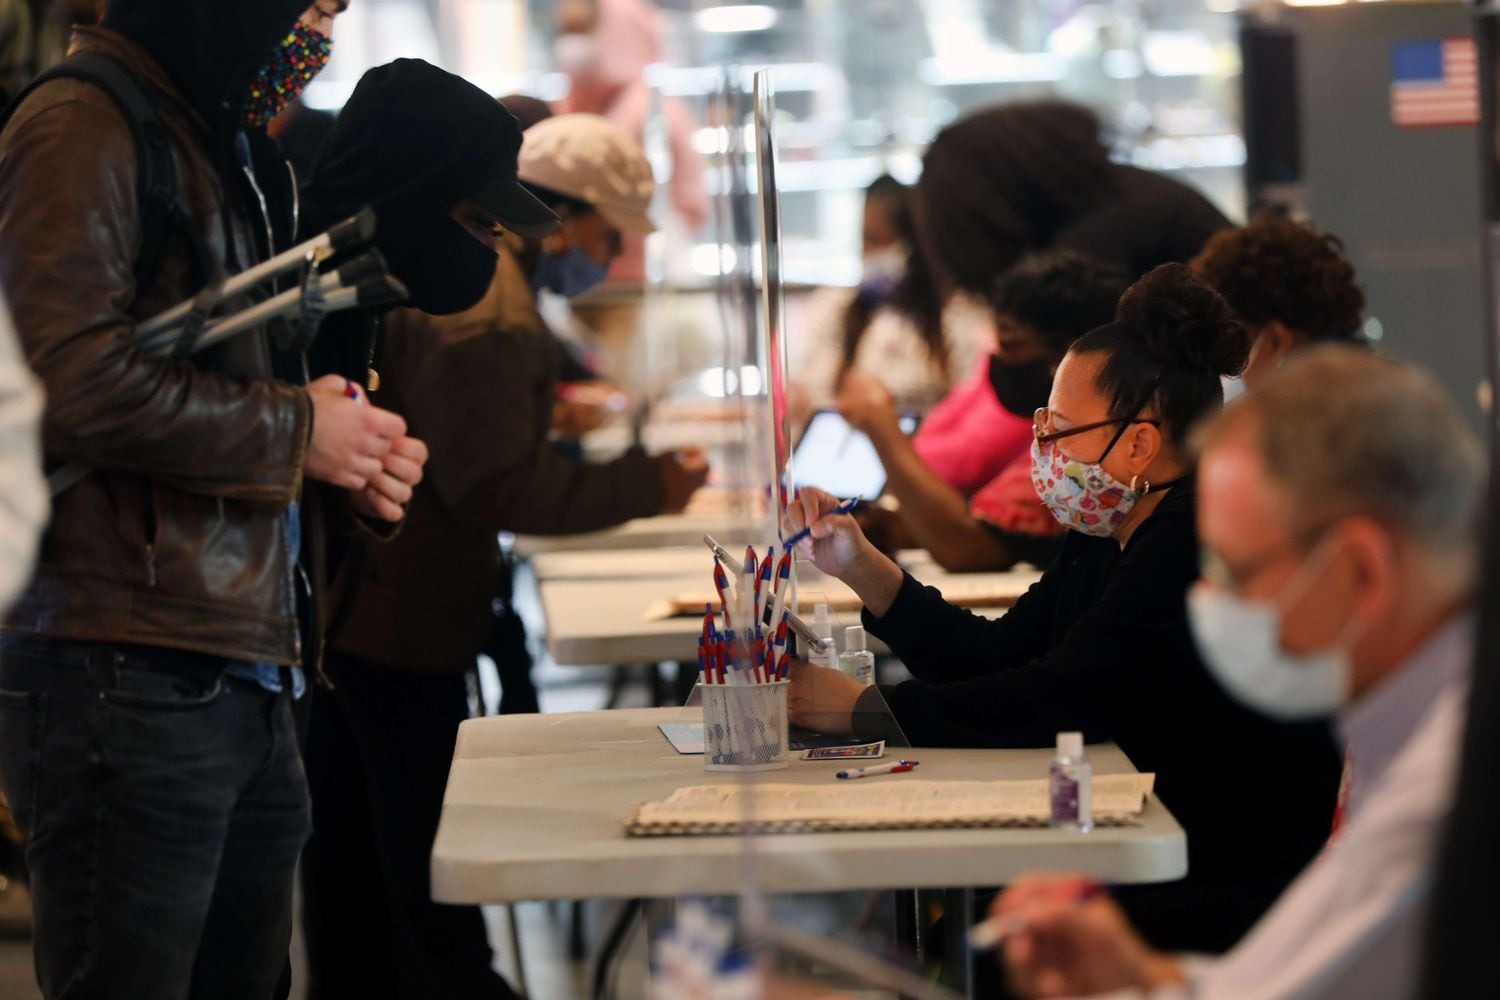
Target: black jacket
pixel 1101 644
pixel 479 388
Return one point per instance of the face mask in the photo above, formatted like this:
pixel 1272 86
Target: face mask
pixel 445 268
pixel 1081 495
pixel 882 271
pixel 575 54
pixel 1240 641
pixel 567 274
pixel 300 57
pixel 1021 389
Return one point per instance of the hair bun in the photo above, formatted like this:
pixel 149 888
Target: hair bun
pixel 1183 323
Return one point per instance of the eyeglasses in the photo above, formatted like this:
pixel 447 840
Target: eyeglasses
pixel 1045 430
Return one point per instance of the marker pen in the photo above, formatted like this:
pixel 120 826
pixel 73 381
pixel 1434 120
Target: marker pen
pixel 895 767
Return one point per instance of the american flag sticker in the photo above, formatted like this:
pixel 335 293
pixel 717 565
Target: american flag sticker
pixel 1434 83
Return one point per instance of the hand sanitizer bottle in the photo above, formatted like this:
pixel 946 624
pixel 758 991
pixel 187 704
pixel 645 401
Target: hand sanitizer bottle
pixel 856 661
pixel 1071 778
pixel 823 629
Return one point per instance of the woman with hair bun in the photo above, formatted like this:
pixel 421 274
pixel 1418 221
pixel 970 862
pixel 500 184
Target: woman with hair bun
pixel 1101 643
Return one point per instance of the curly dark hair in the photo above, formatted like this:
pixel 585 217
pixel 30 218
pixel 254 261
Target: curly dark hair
pixel 1279 270
pixel 1061 295
pixel 1004 181
pixel 1172 338
pixel 915 296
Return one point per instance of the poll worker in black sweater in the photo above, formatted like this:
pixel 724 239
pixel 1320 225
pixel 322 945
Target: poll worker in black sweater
pixel 1101 643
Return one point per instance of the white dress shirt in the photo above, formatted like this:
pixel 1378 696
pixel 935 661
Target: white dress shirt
pixel 1352 924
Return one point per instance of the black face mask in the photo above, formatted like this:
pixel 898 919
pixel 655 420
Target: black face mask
pixel 446 269
pixel 1022 389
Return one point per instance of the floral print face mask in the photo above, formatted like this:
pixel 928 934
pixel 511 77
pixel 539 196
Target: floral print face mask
pixel 1081 495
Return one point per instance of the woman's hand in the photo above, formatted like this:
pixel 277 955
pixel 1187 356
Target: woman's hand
pixel 836 545
pixel 867 405
pixel 839 548
pixel 822 699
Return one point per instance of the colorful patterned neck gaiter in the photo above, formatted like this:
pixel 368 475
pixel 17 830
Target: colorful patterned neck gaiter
pixel 300 57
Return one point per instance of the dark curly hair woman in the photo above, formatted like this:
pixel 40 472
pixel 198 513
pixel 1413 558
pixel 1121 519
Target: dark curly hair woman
pixel 1018 178
pixel 1290 284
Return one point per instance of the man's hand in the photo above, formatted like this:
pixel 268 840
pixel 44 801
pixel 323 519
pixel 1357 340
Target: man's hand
pixel 1069 945
pixel 682 474
pixel 866 403
pixel 388 493
pixel 350 439
pixel 822 699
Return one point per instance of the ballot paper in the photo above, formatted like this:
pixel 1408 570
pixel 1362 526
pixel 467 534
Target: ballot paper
pixel 904 804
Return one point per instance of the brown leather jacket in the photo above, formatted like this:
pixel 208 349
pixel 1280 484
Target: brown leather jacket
pixel 479 389
pixel 179 537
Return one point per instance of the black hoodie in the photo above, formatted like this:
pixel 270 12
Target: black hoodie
pixel 411 141
pixel 211 48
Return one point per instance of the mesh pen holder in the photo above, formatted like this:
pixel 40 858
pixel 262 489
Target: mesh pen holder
pixel 745 727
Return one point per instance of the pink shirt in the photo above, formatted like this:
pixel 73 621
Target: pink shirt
pixel 968 438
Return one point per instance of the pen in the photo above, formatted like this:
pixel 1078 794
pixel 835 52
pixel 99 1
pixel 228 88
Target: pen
pixel 895 767
pixel 807 635
pixel 988 933
pixel 721 584
pixel 843 508
pixel 764 586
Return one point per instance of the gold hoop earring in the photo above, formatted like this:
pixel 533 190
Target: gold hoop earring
pixel 1139 485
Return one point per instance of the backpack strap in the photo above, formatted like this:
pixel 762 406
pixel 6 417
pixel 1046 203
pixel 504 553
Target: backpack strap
pixel 158 199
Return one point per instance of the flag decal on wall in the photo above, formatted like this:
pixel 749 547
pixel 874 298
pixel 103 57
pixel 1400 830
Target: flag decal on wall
pixel 1434 83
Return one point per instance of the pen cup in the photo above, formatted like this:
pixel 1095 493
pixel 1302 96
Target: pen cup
pixel 744 727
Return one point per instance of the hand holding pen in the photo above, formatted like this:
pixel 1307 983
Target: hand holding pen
pixel 832 540
pixel 1064 936
pixel 819 528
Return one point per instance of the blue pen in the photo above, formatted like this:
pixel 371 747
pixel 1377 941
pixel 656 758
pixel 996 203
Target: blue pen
pixel 806 532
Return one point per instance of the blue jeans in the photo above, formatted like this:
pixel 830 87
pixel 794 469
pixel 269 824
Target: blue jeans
pixel 164 806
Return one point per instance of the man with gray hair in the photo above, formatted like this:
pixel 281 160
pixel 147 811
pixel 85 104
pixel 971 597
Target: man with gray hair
pixel 1338 515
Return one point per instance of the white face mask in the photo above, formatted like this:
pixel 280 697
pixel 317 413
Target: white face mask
pixel 1240 641
pixel 575 54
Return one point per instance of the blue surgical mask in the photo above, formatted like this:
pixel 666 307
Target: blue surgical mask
pixel 567 274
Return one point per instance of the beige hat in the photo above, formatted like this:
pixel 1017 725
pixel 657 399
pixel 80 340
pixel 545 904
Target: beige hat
pixel 590 158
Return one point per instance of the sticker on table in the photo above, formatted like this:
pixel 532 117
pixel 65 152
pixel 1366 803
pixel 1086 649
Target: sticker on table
pixel 846 753
pixel 1434 83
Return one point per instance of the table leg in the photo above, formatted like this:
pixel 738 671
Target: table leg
pixel 911 927
pixel 958 913
pixel 613 941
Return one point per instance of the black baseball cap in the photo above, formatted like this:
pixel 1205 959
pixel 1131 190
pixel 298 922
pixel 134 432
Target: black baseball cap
pixel 514 207
pixel 414 139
